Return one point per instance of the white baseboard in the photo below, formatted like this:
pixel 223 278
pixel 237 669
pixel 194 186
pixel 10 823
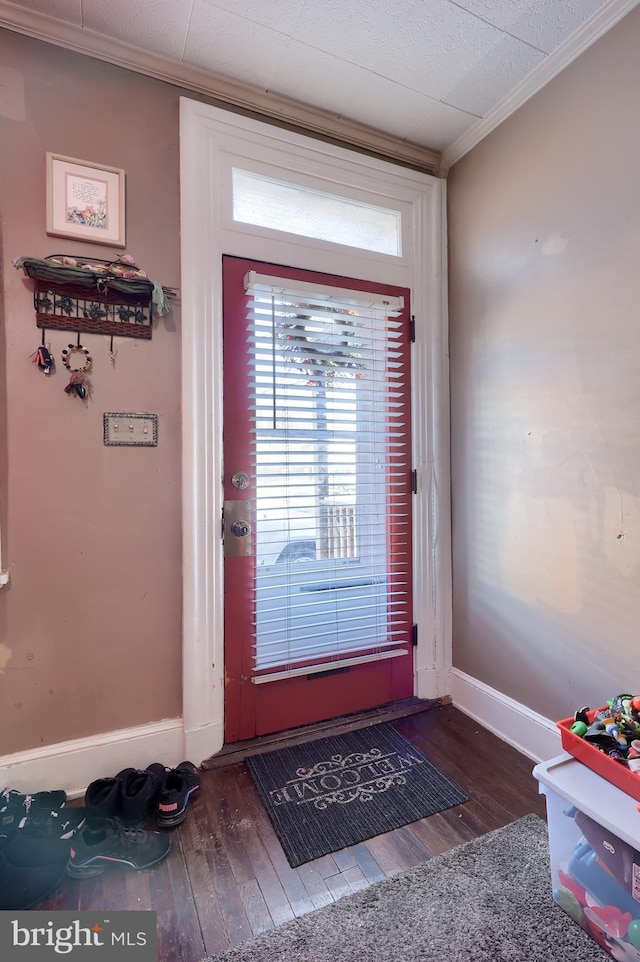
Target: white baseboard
pixel 531 733
pixel 73 765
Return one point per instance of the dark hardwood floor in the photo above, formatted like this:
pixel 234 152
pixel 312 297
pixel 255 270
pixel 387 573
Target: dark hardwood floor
pixel 226 877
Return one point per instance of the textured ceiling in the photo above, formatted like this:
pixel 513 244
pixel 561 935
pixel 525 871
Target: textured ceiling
pixel 423 71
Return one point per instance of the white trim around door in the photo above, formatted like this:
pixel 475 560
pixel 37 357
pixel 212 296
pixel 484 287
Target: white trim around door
pixel 213 142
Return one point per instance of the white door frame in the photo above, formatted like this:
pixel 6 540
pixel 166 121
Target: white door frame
pixel 212 141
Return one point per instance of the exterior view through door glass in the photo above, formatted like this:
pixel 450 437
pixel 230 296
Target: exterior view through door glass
pixel 317 512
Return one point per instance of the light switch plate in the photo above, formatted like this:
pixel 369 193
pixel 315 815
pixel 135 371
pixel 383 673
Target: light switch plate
pixel 129 429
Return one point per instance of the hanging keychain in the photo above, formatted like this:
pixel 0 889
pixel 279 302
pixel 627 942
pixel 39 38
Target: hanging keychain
pixel 43 358
pixel 78 382
pixel 78 385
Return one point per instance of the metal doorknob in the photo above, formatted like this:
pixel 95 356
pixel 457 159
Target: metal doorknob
pixel 241 528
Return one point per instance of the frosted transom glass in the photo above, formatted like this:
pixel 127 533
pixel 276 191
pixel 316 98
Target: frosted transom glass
pixel 265 202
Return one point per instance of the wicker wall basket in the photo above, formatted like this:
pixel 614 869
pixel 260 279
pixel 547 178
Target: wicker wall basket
pixel 75 299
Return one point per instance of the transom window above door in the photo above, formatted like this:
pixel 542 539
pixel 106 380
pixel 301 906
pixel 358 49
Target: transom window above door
pixel 297 209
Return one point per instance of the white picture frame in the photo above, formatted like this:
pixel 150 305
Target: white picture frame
pixel 85 201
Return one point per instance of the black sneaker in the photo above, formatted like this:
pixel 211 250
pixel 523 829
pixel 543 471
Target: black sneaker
pixel 177 788
pixel 102 798
pixel 9 798
pixel 60 823
pixel 139 792
pixel 104 843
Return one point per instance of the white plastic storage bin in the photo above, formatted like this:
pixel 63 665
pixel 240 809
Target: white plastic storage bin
pixel 594 838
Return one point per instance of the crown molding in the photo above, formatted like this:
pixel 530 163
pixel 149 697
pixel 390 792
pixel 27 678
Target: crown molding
pixel 539 78
pixel 223 90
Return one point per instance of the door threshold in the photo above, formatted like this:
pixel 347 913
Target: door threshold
pixel 231 754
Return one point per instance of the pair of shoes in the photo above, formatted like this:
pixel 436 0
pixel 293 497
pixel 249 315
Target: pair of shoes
pixel 30 868
pixel 130 796
pixel 133 794
pixel 31 813
pixel 108 843
pixel 178 786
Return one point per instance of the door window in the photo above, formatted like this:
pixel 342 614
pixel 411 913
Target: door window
pixel 330 442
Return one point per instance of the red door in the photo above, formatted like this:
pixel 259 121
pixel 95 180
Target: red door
pixel 317 488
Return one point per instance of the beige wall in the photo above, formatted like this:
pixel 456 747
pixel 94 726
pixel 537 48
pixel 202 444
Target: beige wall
pixel 545 348
pixel 90 625
pixel 545 366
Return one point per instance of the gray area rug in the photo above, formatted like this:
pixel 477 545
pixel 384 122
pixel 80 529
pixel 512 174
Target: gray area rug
pixel 488 900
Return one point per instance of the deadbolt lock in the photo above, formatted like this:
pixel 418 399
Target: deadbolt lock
pixel 240 480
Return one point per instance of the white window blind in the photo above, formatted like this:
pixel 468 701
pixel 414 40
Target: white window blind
pixel 331 450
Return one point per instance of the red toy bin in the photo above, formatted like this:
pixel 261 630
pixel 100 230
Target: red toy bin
pixel 615 772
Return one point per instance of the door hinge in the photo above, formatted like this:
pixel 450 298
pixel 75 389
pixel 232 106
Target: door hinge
pixel 414 635
pixel 414 481
pixel 412 328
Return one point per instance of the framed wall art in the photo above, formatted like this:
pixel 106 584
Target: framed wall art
pixel 85 201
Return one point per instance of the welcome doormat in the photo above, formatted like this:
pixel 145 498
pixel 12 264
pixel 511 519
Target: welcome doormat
pixel 327 794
